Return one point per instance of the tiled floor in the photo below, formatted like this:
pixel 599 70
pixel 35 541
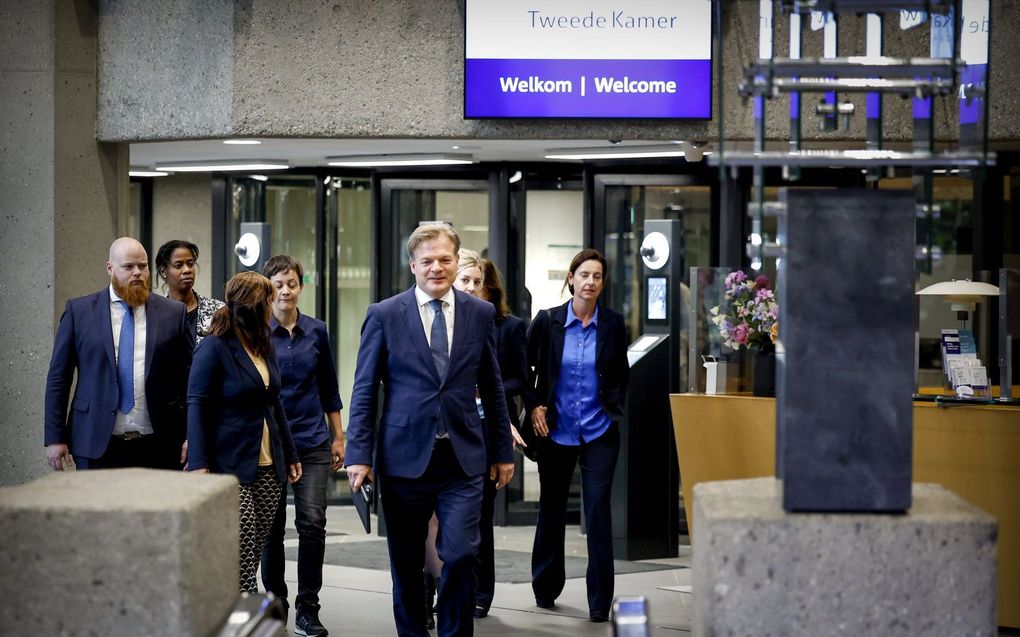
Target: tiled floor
pixel 357 602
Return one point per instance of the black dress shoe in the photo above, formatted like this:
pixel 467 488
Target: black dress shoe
pixel 481 612
pixel 544 603
pixel 598 617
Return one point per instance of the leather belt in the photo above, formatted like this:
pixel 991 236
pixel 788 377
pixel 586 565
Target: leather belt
pixel 131 435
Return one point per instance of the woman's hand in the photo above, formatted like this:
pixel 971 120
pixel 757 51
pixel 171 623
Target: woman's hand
pixel 295 472
pixel 518 441
pixel 337 449
pixel 538 421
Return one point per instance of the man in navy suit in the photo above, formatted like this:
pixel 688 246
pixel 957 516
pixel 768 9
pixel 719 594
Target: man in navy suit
pixel 430 347
pixel 132 355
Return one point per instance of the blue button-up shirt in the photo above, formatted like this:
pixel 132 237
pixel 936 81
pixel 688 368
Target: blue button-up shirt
pixel 308 379
pixel 579 414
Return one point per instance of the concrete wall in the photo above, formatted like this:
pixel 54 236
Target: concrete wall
pixel 59 196
pixel 182 209
pixel 173 69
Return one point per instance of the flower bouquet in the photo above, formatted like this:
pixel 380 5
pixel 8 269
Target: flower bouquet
pixel 749 315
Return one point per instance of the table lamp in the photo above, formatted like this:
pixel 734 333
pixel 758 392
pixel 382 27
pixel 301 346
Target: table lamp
pixel 962 296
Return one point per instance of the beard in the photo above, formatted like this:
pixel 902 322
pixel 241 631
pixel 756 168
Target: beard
pixel 135 295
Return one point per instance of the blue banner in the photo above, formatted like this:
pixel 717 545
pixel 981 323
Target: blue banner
pixel 587 88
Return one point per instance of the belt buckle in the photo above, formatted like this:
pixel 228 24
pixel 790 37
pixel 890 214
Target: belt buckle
pixel 131 435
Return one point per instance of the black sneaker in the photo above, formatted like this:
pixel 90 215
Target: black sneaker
pixel 307 623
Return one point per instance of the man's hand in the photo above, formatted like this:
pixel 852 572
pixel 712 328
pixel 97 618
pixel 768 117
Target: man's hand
pixel 58 455
pixel 538 420
pixel 501 472
pixel 358 473
pixel 295 473
pixel 184 455
pixel 337 449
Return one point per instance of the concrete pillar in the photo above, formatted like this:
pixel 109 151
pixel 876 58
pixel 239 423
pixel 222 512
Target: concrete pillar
pixel 61 200
pixel 119 552
pixel 759 570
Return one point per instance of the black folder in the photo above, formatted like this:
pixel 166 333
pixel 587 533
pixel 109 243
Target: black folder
pixel 363 503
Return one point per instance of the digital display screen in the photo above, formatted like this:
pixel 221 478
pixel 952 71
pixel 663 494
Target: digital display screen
pixel 657 298
pixel 590 59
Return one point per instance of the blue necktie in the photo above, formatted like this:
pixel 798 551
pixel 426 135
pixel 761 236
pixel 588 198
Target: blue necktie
pixel 440 353
pixel 439 343
pixel 126 360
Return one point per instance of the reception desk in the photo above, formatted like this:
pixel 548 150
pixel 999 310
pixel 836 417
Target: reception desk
pixel 973 451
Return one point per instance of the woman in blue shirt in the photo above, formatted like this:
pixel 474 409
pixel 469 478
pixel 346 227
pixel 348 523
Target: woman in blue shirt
pixel 311 401
pixel 575 395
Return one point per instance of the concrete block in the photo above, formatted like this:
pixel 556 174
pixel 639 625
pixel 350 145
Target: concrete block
pixel 119 552
pixel 761 571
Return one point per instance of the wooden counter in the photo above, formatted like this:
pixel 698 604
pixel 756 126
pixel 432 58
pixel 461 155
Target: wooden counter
pixel 974 451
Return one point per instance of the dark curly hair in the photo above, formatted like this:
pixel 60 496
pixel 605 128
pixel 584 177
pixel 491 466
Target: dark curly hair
pixel 167 250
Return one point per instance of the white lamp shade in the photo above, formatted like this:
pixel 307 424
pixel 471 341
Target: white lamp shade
pixel 962 295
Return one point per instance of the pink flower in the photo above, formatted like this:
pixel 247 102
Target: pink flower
pixel 762 282
pixel 740 333
pixel 735 277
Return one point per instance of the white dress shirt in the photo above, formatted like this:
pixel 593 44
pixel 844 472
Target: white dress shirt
pixel 138 418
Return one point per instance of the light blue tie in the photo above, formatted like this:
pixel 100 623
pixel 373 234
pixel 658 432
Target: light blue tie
pixel 126 360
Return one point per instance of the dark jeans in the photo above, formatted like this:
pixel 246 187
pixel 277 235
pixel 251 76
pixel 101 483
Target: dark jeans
pixel 555 469
pixel 310 520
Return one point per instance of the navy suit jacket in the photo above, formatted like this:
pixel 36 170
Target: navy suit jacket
pixel 512 354
pixel 84 343
pixel 227 406
pixel 395 352
pixel 545 356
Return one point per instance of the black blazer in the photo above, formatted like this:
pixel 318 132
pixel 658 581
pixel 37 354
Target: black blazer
pixel 227 404
pixel 512 354
pixel 545 354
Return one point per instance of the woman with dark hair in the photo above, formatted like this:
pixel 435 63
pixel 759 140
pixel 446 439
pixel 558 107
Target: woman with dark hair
pixel 511 351
pixel 575 395
pixel 177 265
pixel 236 423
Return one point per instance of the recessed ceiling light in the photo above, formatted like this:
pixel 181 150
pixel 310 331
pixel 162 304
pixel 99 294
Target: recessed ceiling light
pixel 645 151
pixel 242 142
pixel 225 165
pixel 409 159
pixel 147 173
pixel 258 177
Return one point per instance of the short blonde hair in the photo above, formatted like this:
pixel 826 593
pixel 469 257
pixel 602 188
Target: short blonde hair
pixel 430 232
pixel 469 259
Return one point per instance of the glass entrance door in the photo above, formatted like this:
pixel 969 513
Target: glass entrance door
pixel 622 205
pixel 405 203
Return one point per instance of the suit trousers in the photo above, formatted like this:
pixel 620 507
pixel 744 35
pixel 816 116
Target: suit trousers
pixel 556 465
pixel 408 504
pixel 149 452
pixel 486 575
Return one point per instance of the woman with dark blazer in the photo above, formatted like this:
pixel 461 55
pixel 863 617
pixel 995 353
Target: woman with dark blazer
pixel 578 352
pixel 511 352
pixel 236 423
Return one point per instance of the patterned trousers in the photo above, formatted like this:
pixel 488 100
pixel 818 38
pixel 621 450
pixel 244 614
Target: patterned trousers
pixel 258 508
